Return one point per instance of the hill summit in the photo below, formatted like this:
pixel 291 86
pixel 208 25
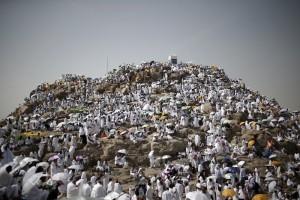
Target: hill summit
pixel 190 117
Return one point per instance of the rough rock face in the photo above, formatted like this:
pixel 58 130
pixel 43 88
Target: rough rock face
pixel 290 147
pixel 239 117
pixel 169 147
pixel 250 134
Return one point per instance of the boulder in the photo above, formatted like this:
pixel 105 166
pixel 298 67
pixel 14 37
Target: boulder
pixel 184 132
pixel 168 147
pixel 290 147
pixel 239 117
pixel 263 138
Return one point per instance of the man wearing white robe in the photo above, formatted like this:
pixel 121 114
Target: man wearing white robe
pixel 149 192
pixel 110 186
pixel 98 191
pixel 35 193
pixel 179 187
pixel 151 159
pixel 72 190
pixel 6 154
pixel 167 195
pixel 197 140
pixel 118 187
pixel 6 183
pixel 86 191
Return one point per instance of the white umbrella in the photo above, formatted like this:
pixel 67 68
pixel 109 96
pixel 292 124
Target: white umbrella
pixel 124 196
pixel 45 165
pixel 33 121
pixel 241 163
pixel 213 177
pixel 158 158
pixel 26 161
pixel 61 176
pixel 196 195
pixel 10 117
pixel 228 176
pixel 281 119
pixel 35 115
pixel 169 124
pixel 60 124
pixel 122 151
pixel 283 110
pixel 270 178
pixel 31 182
pixel 76 167
pixel 165 157
pixel 123 132
pixel 273 156
pixel 55 157
pixel 112 196
pixel 145 126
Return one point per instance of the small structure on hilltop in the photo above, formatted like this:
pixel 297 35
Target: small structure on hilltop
pixel 172 59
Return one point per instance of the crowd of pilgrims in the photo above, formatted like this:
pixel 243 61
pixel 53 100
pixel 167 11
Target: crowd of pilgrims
pixel 202 98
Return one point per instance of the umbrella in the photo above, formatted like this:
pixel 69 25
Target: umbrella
pixel 45 165
pixel 273 156
pixel 124 196
pixel 260 197
pixel 185 107
pixel 31 182
pixel 55 157
pixel 26 161
pixel 228 176
pixel 281 119
pixel 196 195
pixel 165 157
pixel 270 179
pixel 111 196
pixel 60 124
pixel 123 132
pixel 145 126
pixel 35 115
pixel 122 151
pixel 61 176
pixel 213 177
pixel 241 163
pixel 228 193
pixel 76 167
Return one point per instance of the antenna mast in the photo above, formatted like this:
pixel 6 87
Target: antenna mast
pixel 106 64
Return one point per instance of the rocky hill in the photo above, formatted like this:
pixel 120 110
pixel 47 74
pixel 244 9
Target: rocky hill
pixel 161 107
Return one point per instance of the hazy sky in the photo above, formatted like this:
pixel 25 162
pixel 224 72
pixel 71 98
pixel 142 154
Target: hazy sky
pixel 257 40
